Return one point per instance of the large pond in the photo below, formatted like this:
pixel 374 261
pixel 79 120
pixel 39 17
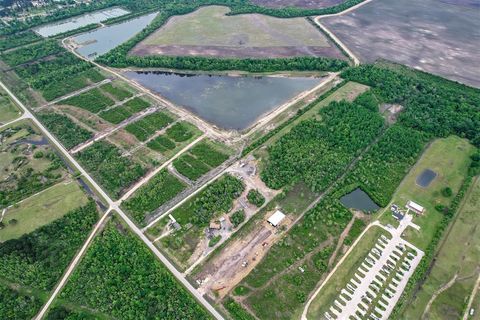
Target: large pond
pixel 426 177
pixel 358 199
pixel 100 41
pixel 229 102
pixel 78 22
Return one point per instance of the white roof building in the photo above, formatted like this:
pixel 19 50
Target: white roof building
pixel 415 207
pixel 276 218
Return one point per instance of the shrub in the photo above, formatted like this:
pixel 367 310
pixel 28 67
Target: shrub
pixel 447 192
pixel 237 218
pixel 255 198
pixel 214 240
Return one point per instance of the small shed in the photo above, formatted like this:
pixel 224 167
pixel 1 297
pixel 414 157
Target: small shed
pixel 415 207
pixel 215 225
pixel 276 218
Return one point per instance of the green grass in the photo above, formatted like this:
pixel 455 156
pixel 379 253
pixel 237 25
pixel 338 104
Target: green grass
pixel 8 110
pixel 116 91
pixel 210 26
pixel 93 100
pixel 449 158
pixel 42 209
pixel 459 254
pixel 345 271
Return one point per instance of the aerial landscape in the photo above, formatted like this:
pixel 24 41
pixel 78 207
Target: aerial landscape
pixel 240 159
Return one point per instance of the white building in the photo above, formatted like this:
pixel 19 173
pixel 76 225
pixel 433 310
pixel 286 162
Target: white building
pixel 415 207
pixel 276 218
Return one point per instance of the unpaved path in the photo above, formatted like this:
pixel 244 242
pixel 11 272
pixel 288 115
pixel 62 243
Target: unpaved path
pixel 437 293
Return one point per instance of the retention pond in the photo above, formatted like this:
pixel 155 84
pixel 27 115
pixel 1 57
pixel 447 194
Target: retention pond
pixel 229 102
pixel 78 22
pixel 359 200
pixel 426 177
pixel 97 42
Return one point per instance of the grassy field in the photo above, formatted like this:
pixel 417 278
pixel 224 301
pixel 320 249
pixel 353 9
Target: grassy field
pixel 8 111
pixel 41 209
pixel 449 158
pixel 459 256
pixel 210 26
pixel 344 273
pixel 210 31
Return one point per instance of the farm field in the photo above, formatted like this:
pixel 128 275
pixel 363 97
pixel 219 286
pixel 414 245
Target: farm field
pixel 451 168
pixel 41 209
pixel 434 36
pixel 8 110
pixel 455 269
pixel 210 32
pixel 137 285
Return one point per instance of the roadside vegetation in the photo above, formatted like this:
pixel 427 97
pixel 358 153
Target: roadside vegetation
pixel 8 110
pixel 114 172
pixel 120 277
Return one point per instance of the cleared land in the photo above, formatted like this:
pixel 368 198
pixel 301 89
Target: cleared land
pixel 210 32
pixel 309 4
pixel 456 267
pixel 450 159
pixel 42 209
pixel 441 38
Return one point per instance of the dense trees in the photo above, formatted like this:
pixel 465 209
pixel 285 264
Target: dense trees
pixel 113 171
pixel 160 189
pixel 17 306
pixel 147 126
pixel 38 259
pixel 93 100
pixel 318 151
pixel 120 277
pixel 434 105
pixel 69 133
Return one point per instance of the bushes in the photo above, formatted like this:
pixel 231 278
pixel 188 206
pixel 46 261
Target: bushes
pixel 117 92
pixel 356 229
pixel 92 100
pixel 190 167
pixel 60 88
pixel 255 198
pixel 125 111
pixel 38 259
pixel 120 277
pixel 17 306
pixel 216 198
pixel 447 192
pixel 69 133
pixel 237 217
pixel 179 132
pixel 236 310
pixel 147 126
pixel 160 189
pixel 161 144
pixel 214 240
pixel 199 160
pixel 32 53
pixel 61 313
pixel 113 171
pixel 18 39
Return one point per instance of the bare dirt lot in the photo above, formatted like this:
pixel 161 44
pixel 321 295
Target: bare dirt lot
pixel 309 4
pixel 437 36
pixel 210 32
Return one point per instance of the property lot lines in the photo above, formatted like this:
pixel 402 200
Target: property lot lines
pixel 102 135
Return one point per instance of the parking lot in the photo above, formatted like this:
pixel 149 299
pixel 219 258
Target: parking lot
pixel 380 279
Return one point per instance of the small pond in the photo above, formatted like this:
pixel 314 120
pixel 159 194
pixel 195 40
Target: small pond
pixel 100 41
pixel 79 21
pixel 229 102
pixel 426 177
pixel 358 199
